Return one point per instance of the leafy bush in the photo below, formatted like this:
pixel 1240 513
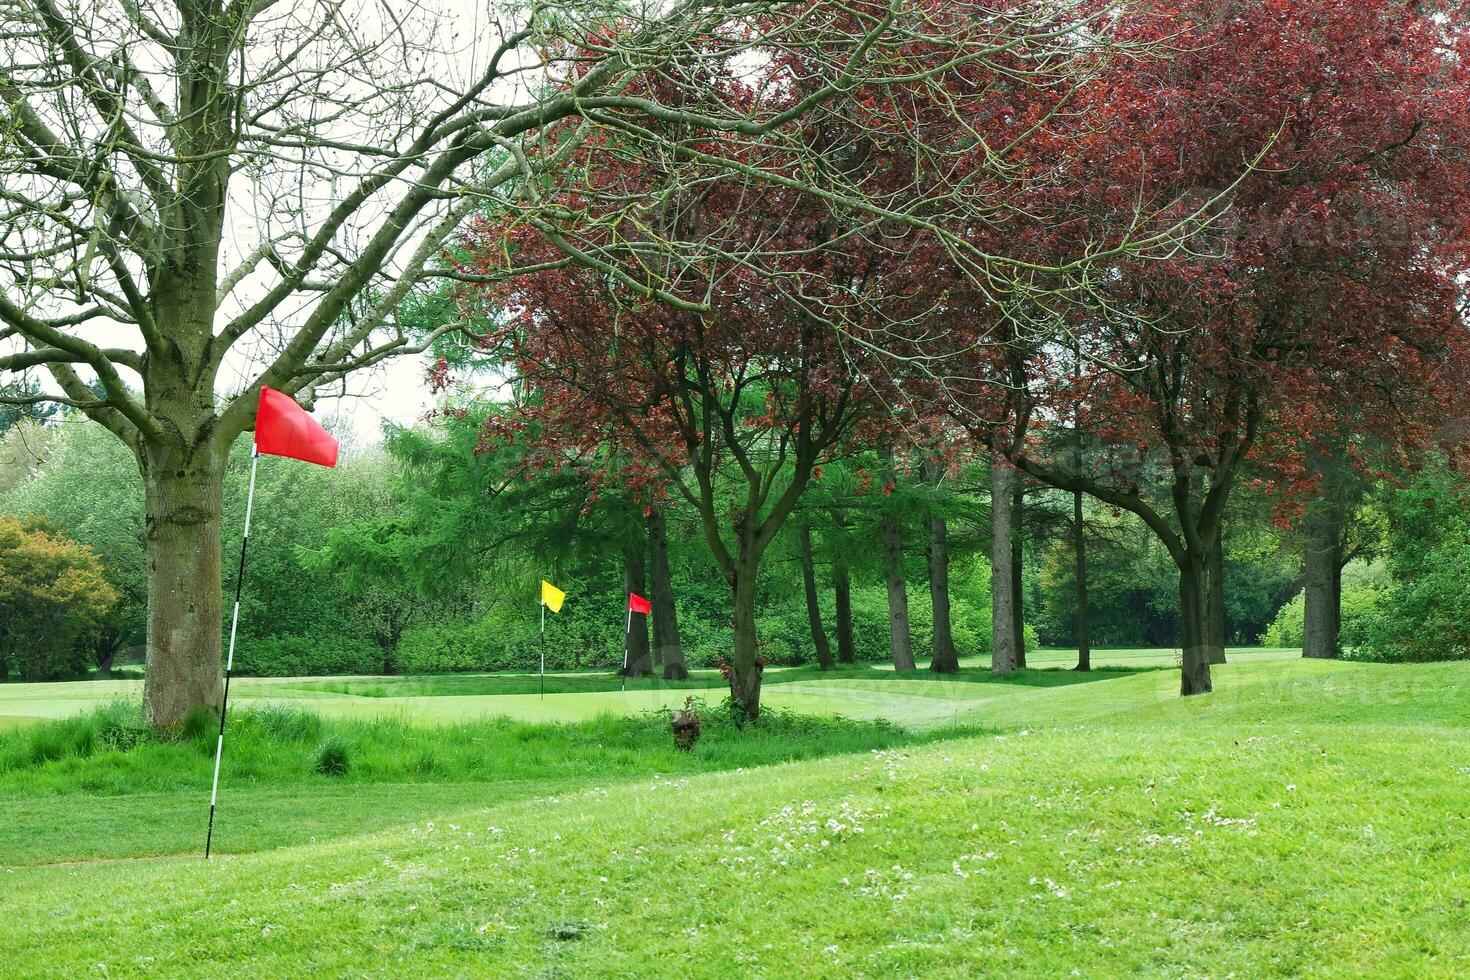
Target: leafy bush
pixel 513 641
pixel 1358 605
pixel 305 656
pixel 52 597
pixel 1424 614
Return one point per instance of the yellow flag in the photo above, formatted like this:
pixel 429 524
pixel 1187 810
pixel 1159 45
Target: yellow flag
pixel 551 596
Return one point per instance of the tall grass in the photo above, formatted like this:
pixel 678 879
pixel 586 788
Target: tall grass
pixel 111 751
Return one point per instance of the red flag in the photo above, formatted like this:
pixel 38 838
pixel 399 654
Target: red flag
pixel 638 604
pixel 282 428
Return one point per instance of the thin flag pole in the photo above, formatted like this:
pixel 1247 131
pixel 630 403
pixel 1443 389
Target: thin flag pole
pixel 219 745
pixel 543 649
pixel 627 637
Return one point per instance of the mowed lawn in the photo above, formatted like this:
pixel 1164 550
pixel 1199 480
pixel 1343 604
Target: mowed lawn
pixel 919 702
pixel 1308 818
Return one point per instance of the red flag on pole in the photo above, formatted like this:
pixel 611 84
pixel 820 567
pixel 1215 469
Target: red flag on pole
pixel 282 428
pixel 638 604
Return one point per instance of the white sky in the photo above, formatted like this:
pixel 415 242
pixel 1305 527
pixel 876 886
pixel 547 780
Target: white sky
pixel 396 390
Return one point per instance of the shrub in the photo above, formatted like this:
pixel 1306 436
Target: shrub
pixel 512 640
pixel 305 656
pixel 52 596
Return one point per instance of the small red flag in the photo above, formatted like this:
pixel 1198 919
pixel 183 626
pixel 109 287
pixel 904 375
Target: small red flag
pixel 638 604
pixel 282 428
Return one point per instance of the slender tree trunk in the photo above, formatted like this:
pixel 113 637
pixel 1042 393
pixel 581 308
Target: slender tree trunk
pixel 185 606
pixel 745 670
pixel 1322 581
pixel 1194 675
pixel 842 595
pixel 667 645
pixel 1215 602
pixel 813 608
pixel 944 659
pixel 1003 654
pixel 900 638
pixel 1018 591
pixel 1079 552
pixel 638 662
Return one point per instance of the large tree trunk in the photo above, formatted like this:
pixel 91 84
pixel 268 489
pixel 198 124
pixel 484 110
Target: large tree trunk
pixel 842 596
pixel 900 638
pixel 1194 675
pixel 813 608
pixel 667 645
pixel 1322 580
pixel 636 661
pixel 1018 592
pixel 944 659
pixel 1215 602
pixel 745 670
pixel 185 607
pixel 1003 655
pixel 1079 553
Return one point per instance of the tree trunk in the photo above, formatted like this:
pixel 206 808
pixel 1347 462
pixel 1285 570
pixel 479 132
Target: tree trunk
pixel 1018 591
pixel 104 652
pixel 1215 602
pixel 1322 581
pixel 1079 552
pixel 813 609
pixel 900 639
pixel 1194 674
pixel 636 661
pixel 842 593
pixel 1002 583
pixel 944 659
pixel 185 605
pixel 667 645
pixel 745 666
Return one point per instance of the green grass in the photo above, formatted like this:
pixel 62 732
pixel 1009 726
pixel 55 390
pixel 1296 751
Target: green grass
pixel 1306 819
pixel 917 701
pixel 108 765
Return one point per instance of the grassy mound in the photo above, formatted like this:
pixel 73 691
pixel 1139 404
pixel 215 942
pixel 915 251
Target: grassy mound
pixel 1308 818
pixel 279 755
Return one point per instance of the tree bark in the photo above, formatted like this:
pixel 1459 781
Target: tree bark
pixel 637 662
pixel 1322 583
pixel 746 668
pixel 1194 674
pixel 667 644
pixel 1079 552
pixel 1215 602
pixel 842 593
pixel 813 608
pixel 1018 591
pixel 944 659
pixel 900 638
pixel 1003 656
pixel 183 503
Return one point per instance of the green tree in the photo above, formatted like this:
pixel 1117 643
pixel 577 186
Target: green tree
pixel 52 596
pixel 88 484
pixel 1425 612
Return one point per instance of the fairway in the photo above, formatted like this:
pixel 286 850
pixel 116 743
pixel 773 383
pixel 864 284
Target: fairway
pixel 1308 817
pixel 918 702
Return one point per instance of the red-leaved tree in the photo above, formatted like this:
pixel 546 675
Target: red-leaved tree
pixel 1325 299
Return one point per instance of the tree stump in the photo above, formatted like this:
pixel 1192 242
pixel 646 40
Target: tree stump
pixel 685 723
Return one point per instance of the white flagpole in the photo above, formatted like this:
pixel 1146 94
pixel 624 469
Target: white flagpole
pixel 543 649
pixel 219 745
pixel 627 636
